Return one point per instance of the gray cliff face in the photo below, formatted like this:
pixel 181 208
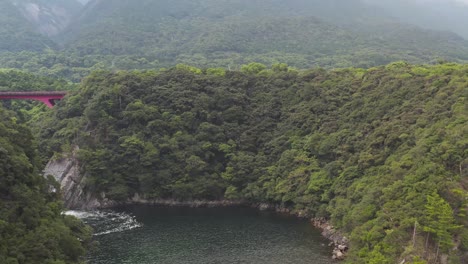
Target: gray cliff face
pixel 49 18
pixel 66 171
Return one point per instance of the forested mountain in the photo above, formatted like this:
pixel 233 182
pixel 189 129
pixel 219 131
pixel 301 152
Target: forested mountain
pixel 48 17
pixel 32 227
pixel 379 152
pixel 223 33
pixel 17 34
pixel 124 34
pixel 449 15
pixel 27 24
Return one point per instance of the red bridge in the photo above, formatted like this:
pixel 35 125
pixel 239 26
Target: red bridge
pixel 47 98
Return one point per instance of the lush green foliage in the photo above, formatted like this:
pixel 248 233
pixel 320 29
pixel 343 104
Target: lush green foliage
pixel 12 80
pixel 32 228
pixel 152 34
pixel 380 152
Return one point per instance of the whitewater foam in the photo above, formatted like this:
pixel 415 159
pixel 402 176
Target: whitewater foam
pixel 106 222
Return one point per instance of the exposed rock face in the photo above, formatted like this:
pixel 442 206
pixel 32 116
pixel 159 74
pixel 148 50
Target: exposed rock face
pixel 49 18
pixel 66 171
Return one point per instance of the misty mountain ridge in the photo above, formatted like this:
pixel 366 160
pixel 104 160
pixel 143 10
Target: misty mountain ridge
pixel 210 30
pixel 17 33
pixel 212 33
pixel 438 15
pixel 451 15
pixel 49 17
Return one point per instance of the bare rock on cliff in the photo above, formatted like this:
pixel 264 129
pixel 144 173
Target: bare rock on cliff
pixel 66 171
pixel 48 17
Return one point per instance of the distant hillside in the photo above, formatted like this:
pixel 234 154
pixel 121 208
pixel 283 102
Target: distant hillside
pixel 17 34
pixel 49 17
pixel 26 25
pixel 147 34
pixel 222 33
pixel 435 14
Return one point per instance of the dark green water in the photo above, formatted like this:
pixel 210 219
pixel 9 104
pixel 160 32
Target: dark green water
pixel 204 235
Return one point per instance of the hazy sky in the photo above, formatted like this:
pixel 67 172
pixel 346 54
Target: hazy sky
pixel 429 1
pixel 439 1
pixel 446 1
pixel 462 1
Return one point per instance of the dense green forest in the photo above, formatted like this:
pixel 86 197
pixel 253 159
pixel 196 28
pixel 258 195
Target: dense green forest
pixel 211 33
pixel 13 80
pixel 157 34
pixel 32 227
pixel 380 152
pixel 377 147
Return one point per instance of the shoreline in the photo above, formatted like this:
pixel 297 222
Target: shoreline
pixel 338 241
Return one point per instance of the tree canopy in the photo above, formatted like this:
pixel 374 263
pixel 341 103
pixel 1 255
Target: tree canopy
pixel 375 151
pixel 32 227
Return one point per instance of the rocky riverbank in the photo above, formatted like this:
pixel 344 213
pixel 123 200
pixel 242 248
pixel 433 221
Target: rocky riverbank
pixel 338 241
pixel 66 171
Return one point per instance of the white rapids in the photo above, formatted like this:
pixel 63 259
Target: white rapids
pixel 106 222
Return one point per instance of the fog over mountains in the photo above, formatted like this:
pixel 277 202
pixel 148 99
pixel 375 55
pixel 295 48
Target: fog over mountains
pixel 450 15
pixel 48 17
pixel 213 33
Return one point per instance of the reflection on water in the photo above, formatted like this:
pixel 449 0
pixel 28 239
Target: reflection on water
pixel 152 235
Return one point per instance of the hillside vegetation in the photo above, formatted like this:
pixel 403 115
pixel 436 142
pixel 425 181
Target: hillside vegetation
pixel 381 153
pixel 376 146
pixel 150 34
pixel 13 80
pixel 32 227
pixel 49 17
pixel 211 33
pixel 17 34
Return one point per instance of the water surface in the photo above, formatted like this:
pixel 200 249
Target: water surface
pixel 149 235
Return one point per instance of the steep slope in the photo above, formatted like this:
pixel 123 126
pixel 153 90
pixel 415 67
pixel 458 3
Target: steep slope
pixel 49 17
pixel 124 34
pixel 32 227
pixel 301 33
pixel 381 153
pixel 17 34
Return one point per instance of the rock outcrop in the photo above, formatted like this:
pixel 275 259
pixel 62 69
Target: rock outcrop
pixel 66 171
pixel 339 242
pixel 49 18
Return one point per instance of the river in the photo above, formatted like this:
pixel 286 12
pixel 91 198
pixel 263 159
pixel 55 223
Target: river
pixel 150 235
